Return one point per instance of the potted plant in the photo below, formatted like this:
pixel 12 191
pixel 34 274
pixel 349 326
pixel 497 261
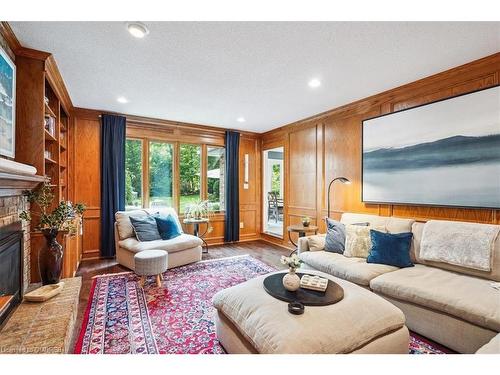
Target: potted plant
pixel 50 224
pixel 291 281
pixel 201 210
pixel 306 220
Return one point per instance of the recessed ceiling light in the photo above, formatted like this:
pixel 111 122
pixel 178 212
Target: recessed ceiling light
pixel 137 29
pixel 314 83
pixel 121 99
pixel 240 119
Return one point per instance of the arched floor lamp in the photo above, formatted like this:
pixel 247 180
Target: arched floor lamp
pixel 343 180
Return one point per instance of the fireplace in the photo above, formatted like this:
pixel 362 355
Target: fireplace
pixel 11 268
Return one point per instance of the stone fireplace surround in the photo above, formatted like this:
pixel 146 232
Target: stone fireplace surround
pixel 35 328
pixel 14 179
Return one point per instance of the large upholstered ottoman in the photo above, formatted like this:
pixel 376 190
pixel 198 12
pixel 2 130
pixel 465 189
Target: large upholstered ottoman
pixel 249 320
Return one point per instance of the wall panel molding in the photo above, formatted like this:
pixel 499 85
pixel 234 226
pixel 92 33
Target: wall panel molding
pixel 336 148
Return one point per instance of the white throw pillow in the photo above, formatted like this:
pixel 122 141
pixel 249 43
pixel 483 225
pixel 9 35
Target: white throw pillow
pixel 357 240
pixel 316 242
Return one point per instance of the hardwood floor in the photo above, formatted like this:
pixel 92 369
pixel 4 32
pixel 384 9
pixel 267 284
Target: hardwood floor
pixel 264 251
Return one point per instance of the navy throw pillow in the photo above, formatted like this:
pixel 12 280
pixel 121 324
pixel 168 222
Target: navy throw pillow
pixel 390 249
pixel 145 228
pixel 335 236
pixel 168 227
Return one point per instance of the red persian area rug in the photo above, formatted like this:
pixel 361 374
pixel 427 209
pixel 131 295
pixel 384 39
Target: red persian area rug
pixel 123 318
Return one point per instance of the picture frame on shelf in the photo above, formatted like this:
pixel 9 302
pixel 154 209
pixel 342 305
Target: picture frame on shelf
pixel 7 105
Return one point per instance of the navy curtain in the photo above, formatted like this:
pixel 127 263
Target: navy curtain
pixel 112 178
pixel 232 229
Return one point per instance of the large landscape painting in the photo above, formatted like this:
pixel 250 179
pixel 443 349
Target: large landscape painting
pixel 445 153
pixel 7 104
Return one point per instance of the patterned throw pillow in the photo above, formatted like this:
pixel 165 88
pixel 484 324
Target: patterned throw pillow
pixel 358 242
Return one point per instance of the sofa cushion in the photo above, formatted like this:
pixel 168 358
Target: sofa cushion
pixel 145 228
pixel 335 236
pixel 492 347
pixel 469 298
pixel 168 227
pixel 182 242
pixel 390 248
pixel 357 241
pixel 360 317
pixel 125 229
pixel 316 242
pixel 356 270
pixel 494 274
pixel 391 224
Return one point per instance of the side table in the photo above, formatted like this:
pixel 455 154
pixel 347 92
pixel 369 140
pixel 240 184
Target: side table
pixel 196 230
pixel 301 230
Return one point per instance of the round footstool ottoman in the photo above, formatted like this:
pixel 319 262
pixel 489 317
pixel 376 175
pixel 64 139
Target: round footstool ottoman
pixel 151 263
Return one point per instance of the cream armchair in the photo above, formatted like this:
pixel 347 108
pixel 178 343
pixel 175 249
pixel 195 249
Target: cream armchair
pixel 181 250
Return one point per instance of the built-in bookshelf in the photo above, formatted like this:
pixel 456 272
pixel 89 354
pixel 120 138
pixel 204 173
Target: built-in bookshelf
pixel 43 127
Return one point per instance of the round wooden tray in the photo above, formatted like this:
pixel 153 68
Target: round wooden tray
pixel 273 284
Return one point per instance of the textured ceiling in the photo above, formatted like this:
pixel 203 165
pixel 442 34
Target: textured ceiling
pixel 214 72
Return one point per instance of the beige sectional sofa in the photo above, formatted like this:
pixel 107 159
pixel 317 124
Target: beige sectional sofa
pixel 452 305
pixel 181 250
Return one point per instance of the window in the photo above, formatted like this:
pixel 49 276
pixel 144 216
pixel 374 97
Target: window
pixel 133 174
pixel 173 174
pixel 160 174
pixel 189 175
pixel 215 177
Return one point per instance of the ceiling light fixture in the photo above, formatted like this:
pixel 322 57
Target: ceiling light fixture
pixel 137 29
pixel 122 99
pixel 240 119
pixel 313 83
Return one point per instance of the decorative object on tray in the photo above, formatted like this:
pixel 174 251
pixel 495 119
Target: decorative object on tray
pixel 45 292
pixel 291 281
pixel 7 105
pixel 306 220
pixel 273 285
pixel 314 282
pixel 61 220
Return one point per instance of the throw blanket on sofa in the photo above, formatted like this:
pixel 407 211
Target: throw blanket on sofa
pixel 462 244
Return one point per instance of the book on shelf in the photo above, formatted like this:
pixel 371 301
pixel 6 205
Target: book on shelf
pixel 50 125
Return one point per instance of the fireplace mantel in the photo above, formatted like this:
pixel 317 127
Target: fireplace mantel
pixel 16 177
pixel 14 183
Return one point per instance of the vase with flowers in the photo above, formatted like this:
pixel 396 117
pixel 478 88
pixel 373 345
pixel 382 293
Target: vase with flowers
pixel 62 219
pixel 291 281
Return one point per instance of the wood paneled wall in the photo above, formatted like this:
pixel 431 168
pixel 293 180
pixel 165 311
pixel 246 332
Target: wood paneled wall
pixel 328 145
pixel 87 170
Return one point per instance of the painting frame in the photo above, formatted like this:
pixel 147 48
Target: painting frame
pixel 11 151
pixel 409 203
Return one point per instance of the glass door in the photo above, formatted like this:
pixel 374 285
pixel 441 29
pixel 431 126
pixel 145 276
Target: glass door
pixel 273 191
